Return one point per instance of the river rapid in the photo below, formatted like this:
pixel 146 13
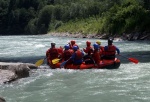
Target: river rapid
pixel 129 83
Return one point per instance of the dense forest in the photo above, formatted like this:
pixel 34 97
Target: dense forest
pixel 74 16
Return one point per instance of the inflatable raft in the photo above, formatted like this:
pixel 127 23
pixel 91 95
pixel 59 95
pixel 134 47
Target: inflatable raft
pixel 103 64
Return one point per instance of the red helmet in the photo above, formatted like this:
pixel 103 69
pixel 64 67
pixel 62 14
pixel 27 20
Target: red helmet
pixel 73 42
pixel 88 43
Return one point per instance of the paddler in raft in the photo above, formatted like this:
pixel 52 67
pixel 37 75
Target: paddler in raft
pixel 73 43
pixel 110 50
pixel 77 56
pixel 88 51
pixel 67 53
pixel 96 54
pixel 100 46
pixel 53 53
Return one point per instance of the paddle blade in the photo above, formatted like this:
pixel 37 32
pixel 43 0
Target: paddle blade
pixel 54 61
pixel 39 62
pixel 133 60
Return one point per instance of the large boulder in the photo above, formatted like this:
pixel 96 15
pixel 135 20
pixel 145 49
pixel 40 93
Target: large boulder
pixel 21 70
pixel 12 71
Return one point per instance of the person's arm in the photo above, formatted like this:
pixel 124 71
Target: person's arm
pixel 84 50
pixel 118 51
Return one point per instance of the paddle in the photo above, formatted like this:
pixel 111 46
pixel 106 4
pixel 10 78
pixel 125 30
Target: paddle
pixel 39 62
pixel 63 63
pixel 54 61
pixel 131 59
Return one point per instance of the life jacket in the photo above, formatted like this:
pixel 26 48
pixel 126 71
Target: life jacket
pixel 89 49
pixel 102 51
pixel 60 50
pixel 78 55
pixel 53 53
pixel 67 54
pixel 111 51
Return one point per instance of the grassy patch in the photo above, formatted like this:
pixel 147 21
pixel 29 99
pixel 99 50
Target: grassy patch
pixel 85 26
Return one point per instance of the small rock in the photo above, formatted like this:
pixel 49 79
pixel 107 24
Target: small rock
pixel 2 99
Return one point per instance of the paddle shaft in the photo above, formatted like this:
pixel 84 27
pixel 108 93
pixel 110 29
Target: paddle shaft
pixel 63 63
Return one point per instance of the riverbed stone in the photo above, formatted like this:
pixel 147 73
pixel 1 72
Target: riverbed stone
pixel 7 76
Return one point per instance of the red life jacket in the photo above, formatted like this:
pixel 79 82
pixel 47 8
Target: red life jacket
pixel 89 49
pixel 102 51
pixel 111 51
pixel 67 54
pixel 53 53
pixel 60 50
pixel 78 55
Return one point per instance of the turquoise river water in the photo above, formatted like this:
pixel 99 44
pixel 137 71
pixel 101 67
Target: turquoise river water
pixel 129 83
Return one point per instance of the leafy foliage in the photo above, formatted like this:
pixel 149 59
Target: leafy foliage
pixel 74 16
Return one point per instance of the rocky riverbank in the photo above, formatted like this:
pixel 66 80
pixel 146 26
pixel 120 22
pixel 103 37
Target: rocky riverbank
pixel 12 71
pixel 131 36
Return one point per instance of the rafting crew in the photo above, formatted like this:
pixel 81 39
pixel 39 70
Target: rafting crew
pixel 90 55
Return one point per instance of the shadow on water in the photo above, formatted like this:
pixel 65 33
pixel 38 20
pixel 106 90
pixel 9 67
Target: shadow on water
pixel 142 56
pixel 29 59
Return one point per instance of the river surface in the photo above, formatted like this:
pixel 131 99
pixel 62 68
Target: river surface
pixel 129 83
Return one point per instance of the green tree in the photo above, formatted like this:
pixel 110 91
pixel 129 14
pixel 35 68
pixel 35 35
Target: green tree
pixel 44 18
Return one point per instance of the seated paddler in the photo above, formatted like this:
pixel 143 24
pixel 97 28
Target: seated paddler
pixel 110 50
pixel 67 53
pixel 96 54
pixel 77 56
pixel 52 53
pixel 88 51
